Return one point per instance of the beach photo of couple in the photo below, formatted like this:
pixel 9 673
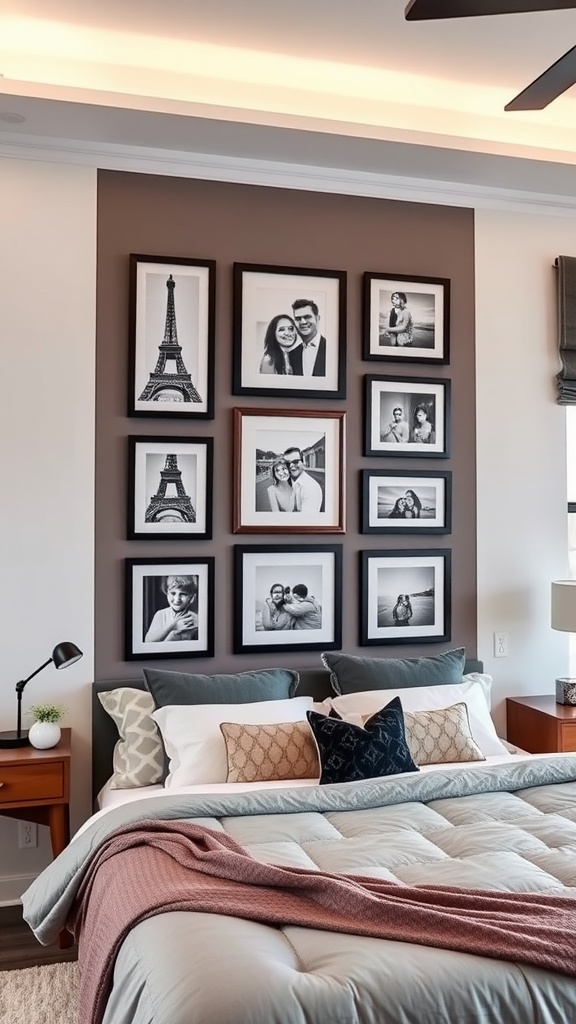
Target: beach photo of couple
pixel 289 331
pixel 405 597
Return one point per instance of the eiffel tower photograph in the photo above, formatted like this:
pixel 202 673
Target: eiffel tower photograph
pixel 172 313
pixel 170 487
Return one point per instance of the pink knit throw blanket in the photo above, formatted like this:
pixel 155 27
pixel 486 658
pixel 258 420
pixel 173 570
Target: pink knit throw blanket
pixel 154 867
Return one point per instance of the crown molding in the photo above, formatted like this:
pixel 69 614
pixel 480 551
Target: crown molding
pixel 215 167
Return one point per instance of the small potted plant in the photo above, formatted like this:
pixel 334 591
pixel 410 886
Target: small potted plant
pixel 45 732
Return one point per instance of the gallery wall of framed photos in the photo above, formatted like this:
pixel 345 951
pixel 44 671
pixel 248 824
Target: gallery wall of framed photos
pixel 279 498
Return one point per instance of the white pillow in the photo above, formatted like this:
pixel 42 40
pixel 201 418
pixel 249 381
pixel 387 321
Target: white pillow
pixel 474 692
pixel 194 744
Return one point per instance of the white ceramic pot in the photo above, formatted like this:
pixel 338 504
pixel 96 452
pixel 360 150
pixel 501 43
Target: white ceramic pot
pixel 43 735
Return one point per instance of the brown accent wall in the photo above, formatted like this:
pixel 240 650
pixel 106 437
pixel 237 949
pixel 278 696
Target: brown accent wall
pixel 253 224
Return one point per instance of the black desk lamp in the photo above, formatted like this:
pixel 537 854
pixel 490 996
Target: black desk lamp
pixel 63 655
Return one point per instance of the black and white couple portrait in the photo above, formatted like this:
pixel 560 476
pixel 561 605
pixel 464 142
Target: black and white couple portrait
pixel 397 502
pixel 407 416
pixel 289 331
pixel 287 597
pixel 405 596
pixel 292 481
pixel 406 318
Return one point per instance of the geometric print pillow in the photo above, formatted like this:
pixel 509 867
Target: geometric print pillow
pixel 439 737
pixel 349 752
pixel 138 754
pixel 267 753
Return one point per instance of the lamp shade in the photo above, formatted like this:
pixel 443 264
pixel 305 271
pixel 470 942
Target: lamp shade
pixel 65 654
pixel 564 606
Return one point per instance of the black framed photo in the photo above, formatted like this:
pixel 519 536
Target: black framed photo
pixel 406 318
pixel 172 303
pixel 405 597
pixel 169 608
pixel 170 488
pixel 395 501
pixel 289 471
pixel 287 597
pixel 289 332
pixel 408 416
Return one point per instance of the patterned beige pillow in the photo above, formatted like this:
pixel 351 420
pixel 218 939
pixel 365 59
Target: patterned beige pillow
pixel 138 755
pixel 265 753
pixel 438 737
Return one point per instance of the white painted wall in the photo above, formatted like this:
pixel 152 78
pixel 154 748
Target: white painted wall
pixel 47 309
pixel 47 317
pixel 521 454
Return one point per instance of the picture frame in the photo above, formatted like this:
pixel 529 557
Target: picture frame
pixel 396 501
pixel 289 471
pixel 407 416
pixel 311 577
pixel 284 351
pixel 172 311
pixel 149 607
pixel 387 579
pixel 170 488
pixel 406 319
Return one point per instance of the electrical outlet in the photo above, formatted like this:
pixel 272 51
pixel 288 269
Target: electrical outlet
pixel 27 834
pixel 500 645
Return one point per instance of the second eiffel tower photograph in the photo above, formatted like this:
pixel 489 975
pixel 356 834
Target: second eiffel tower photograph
pixel 170 488
pixel 171 337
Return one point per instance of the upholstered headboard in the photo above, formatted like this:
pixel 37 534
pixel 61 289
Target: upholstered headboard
pixel 314 682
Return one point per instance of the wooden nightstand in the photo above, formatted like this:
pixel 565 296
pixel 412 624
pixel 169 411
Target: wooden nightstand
pixel 35 786
pixel 540 725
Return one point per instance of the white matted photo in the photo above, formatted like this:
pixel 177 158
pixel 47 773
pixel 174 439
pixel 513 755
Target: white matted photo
pixel 288 471
pixel 170 488
pixel 289 331
pixel 394 501
pixel 407 416
pixel 406 318
pixel 405 597
pixel 171 336
pixel 287 597
pixel 169 608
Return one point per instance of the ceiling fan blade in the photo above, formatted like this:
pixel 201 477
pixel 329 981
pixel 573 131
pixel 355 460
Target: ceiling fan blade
pixel 427 10
pixel 550 84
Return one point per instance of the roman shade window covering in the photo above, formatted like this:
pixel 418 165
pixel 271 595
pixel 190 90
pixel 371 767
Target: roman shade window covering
pixel 566 290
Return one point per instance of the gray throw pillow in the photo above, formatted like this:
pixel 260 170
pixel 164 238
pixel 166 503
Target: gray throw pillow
pixel 138 754
pixel 239 688
pixel 349 674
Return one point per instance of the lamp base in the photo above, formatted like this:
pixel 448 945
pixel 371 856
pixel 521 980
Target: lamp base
pixel 12 739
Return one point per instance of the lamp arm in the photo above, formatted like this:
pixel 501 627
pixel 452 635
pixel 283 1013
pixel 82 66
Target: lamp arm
pixel 20 686
pixel 19 690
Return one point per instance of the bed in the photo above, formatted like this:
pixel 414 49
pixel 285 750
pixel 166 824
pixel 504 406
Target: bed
pixel 503 826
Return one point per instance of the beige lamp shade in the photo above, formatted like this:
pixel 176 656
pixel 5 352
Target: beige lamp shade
pixel 564 605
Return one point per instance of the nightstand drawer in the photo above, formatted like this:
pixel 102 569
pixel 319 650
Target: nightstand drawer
pixel 19 783
pixel 568 737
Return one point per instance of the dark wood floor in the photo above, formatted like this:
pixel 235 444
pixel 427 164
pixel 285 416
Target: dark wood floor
pixel 20 948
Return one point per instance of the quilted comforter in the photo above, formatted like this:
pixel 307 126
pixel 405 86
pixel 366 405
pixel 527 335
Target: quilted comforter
pixel 509 828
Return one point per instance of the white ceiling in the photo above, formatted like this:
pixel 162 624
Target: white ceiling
pixel 325 82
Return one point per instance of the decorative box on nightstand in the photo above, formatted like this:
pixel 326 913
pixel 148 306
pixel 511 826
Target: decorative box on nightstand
pixel 541 725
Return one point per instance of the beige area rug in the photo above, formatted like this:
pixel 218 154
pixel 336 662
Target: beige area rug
pixel 40 995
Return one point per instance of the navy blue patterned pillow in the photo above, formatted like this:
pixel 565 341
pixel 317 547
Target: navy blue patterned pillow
pixel 349 752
